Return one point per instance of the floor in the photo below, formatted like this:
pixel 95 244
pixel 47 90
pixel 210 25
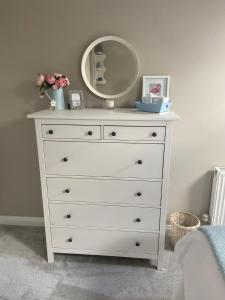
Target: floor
pixel 25 274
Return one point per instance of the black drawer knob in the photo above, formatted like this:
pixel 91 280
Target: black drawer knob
pixel 139 194
pixel 137 244
pixel 68 216
pixel 113 133
pixel 138 220
pixel 70 240
pixel 67 191
pixel 65 159
pixel 154 134
pixel 139 162
pixel 50 131
pixel 90 132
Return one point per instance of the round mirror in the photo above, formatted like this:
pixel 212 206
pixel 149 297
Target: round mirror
pixel 110 68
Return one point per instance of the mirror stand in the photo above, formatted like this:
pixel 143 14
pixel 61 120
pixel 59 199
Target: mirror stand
pixel 109 103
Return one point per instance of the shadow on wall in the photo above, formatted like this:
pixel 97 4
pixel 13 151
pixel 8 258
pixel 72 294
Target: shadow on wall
pixel 200 192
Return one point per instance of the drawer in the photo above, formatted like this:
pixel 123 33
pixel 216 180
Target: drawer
pixel 104 216
pixel 105 240
pixel 104 159
pixel 104 190
pixel 71 132
pixel 134 133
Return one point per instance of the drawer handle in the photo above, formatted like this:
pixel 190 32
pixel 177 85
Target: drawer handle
pixel 67 191
pixel 139 162
pixel 154 134
pixel 68 216
pixel 137 244
pixel 50 131
pixel 90 132
pixel 138 220
pixel 139 194
pixel 65 159
pixel 69 240
pixel 113 133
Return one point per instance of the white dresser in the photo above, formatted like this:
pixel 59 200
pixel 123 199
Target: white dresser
pixel 104 177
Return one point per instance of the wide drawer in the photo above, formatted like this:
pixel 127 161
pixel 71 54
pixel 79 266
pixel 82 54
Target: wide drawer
pixel 134 133
pixel 105 240
pixel 104 216
pixel 71 132
pixel 104 159
pixel 104 190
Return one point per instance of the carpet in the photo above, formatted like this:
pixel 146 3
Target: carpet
pixel 26 275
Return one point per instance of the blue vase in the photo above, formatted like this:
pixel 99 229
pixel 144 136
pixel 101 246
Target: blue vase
pixel 58 97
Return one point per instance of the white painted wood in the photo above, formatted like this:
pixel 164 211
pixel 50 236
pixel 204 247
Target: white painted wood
pixel 21 221
pixel 152 256
pixel 104 159
pixel 135 133
pixel 122 114
pixel 131 192
pixel 50 254
pixel 105 216
pixel 55 131
pixel 103 178
pixel 165 187
pixel 102 240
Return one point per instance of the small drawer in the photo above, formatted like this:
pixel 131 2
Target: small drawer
pixel 105 240
pixel 114 191
pixel 133 133
pixel 104 216
pixel 71 132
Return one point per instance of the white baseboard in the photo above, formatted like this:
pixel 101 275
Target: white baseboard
pixel 21 221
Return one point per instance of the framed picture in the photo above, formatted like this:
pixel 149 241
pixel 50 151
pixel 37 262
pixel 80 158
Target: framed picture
pixel 76 99
pixel 156 85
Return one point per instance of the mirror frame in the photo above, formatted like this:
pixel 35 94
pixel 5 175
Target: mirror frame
pixel 84 58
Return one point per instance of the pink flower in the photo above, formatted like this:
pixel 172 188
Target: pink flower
pixel 67 81
pixel 50 79
pixel 40 79
pixel 57 75
pixel 61 82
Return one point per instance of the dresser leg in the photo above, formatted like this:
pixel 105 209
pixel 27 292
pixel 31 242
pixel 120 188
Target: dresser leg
pixel 50 257
pixel 159 265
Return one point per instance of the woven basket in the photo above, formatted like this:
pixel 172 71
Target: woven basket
pixel 182 223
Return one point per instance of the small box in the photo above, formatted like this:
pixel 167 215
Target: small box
pixel 154 107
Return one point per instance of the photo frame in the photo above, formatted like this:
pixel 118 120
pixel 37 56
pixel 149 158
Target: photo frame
pixel 76 99
pixel 159 86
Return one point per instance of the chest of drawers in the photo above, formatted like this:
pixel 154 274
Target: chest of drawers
pixel 104 177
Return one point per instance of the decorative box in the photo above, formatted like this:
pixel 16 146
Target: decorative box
pixel 155 107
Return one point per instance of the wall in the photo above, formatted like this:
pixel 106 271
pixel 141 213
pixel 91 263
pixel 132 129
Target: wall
pixel 185 39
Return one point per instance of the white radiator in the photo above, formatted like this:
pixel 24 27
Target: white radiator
pixel 217 204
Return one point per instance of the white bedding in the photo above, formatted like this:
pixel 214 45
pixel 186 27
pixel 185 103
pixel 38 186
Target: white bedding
pixel 203 279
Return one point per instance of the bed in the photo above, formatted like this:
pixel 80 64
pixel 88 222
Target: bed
pixel 203 278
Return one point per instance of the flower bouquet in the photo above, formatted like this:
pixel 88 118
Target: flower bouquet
pixel 55 82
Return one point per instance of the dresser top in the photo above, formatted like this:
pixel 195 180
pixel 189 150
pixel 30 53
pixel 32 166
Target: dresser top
pixel 104 114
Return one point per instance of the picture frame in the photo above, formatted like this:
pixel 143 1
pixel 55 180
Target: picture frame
pixel 76 99
pixel 159 86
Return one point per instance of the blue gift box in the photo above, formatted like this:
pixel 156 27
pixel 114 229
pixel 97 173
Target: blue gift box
pixel 155 107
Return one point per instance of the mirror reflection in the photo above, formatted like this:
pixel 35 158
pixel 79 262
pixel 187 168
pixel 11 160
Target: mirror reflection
pixel 111 67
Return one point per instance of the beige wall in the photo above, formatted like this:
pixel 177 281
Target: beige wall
pixel 185 39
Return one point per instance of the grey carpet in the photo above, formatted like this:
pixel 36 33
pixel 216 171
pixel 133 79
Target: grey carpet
pixel 25 274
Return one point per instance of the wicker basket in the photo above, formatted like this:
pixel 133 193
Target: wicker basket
pixel 182 223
